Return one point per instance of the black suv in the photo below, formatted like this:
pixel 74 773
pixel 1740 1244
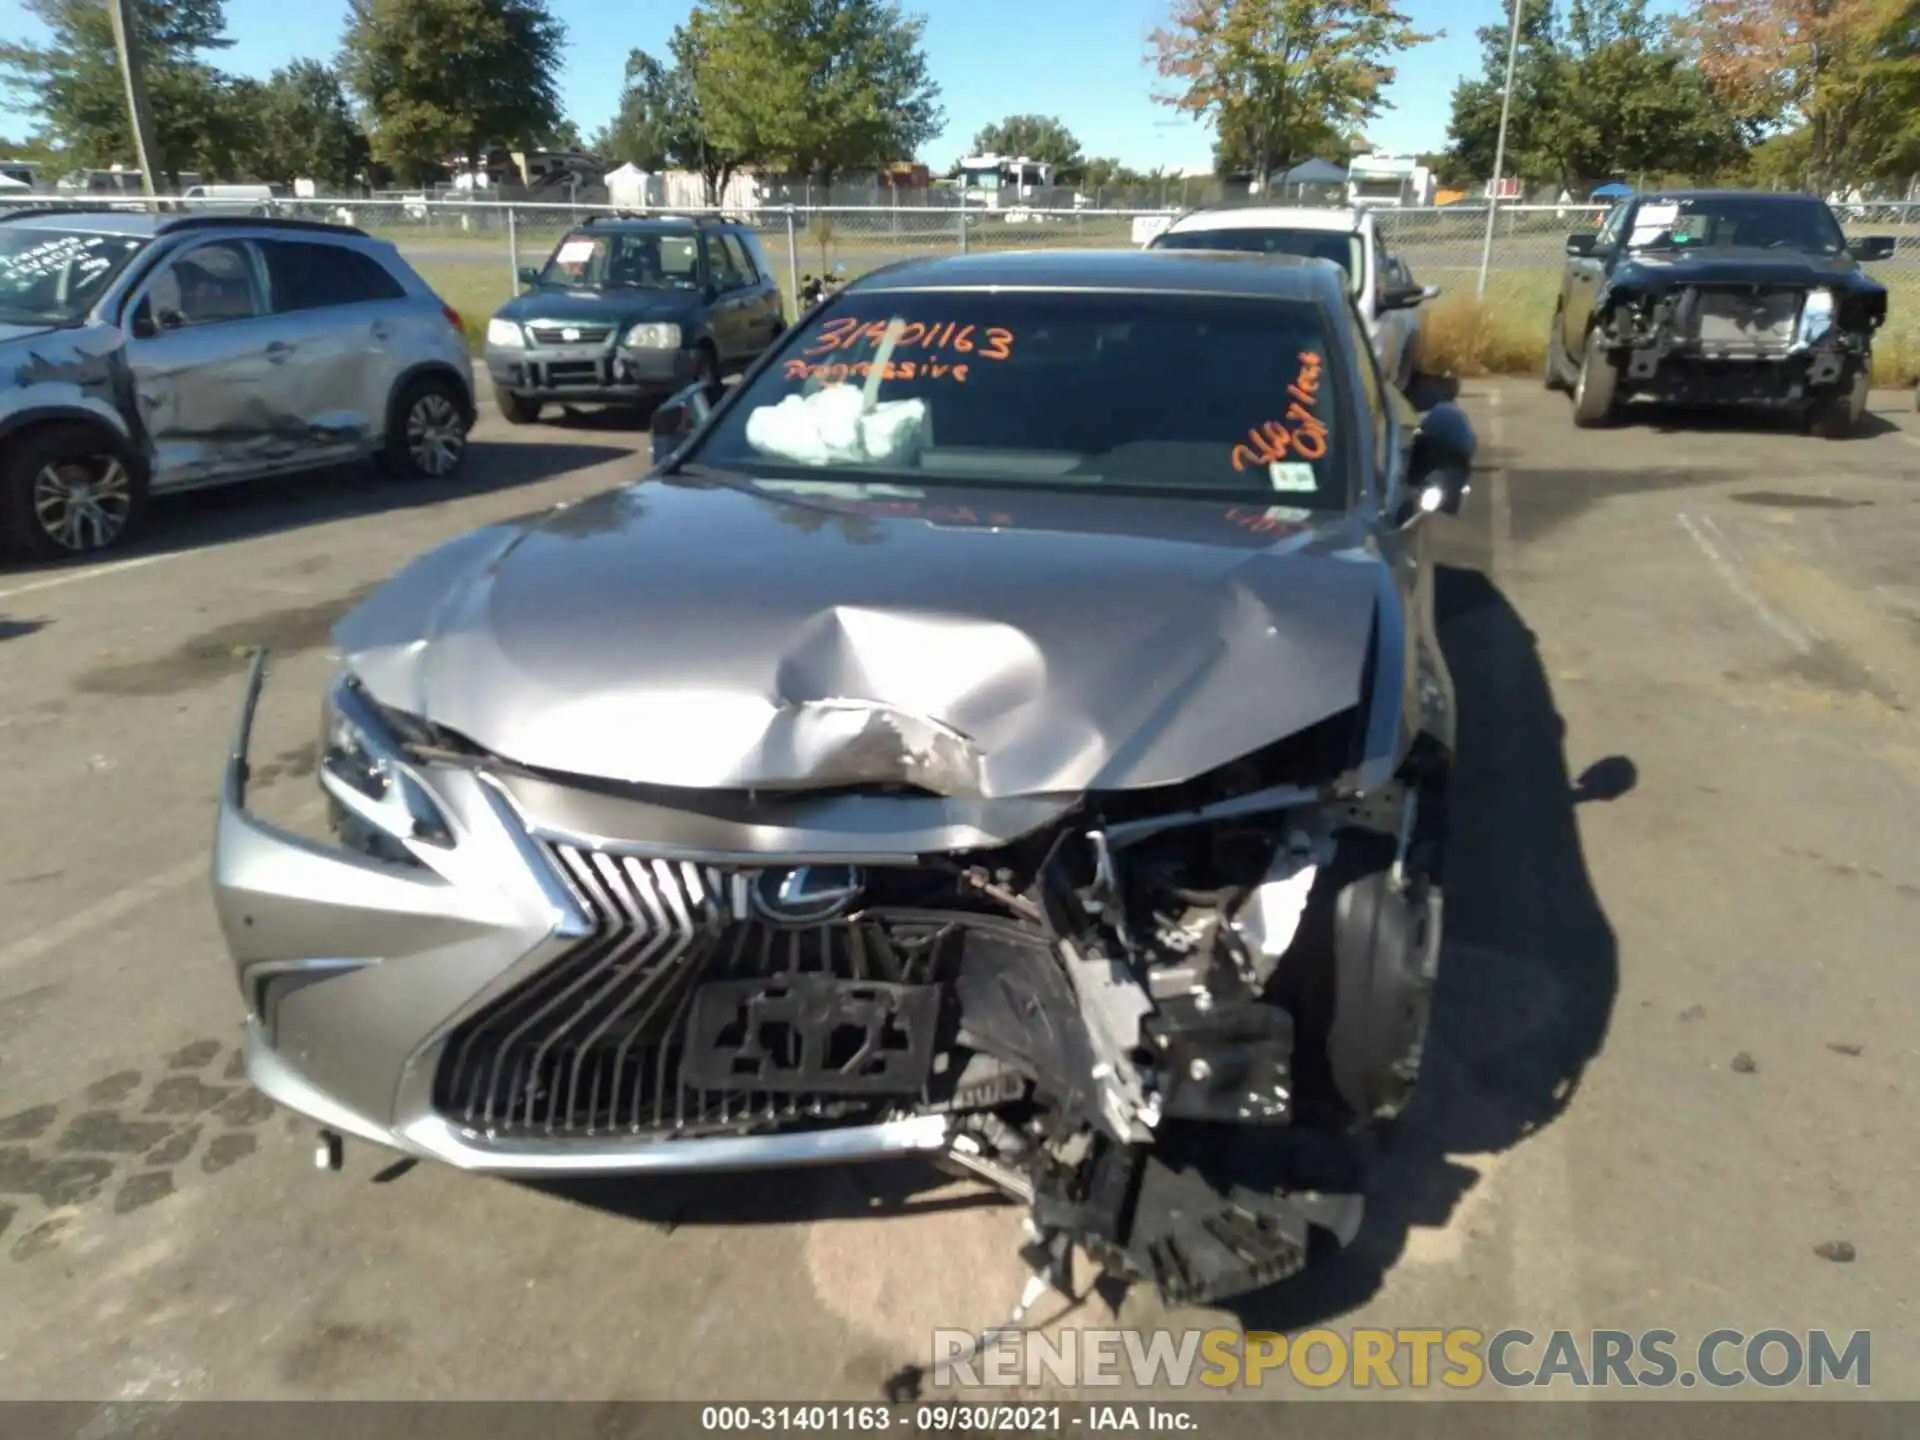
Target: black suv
pixel 1719 297
pixel 629 310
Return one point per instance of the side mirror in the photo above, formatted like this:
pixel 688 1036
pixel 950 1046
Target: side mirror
pixel 1873 247
pixel 1402 297
pixel 1440 468
pixel 529 275
pixel 676 419
pixel 1581 243
pixel 1429 292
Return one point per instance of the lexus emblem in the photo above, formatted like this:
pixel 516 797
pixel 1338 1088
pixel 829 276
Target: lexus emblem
pixel 569 334
pixel 809 895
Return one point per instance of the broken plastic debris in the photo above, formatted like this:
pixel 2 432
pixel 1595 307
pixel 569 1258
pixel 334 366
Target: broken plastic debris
pixel 833 425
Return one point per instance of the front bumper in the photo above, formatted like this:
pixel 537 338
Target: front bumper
pixel 356 972
pixel 589 373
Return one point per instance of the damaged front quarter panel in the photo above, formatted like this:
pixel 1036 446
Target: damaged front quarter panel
pixel 71 373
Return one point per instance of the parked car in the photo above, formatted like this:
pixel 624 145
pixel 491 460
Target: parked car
pixel 1719 298
pixel 626 311
pixel 1389 301
pixel 141 354
pixel 1007 727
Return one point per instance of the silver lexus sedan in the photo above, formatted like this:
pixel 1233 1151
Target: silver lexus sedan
pixel 1007 727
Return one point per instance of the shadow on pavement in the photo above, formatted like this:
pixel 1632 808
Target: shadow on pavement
pixel 254 508
pixel 784 1197
pixel 1530 971
pixel 1680 419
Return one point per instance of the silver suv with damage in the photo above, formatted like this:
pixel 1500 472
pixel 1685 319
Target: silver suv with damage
pixel 146 353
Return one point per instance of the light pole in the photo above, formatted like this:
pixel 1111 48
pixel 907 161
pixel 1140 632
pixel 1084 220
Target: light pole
pixel 126 40
pixel 1500 149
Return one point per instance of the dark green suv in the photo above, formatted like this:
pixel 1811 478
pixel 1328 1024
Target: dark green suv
pixel 628 310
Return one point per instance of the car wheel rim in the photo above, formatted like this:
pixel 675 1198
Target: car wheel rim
pixel 83 504
pixel 434 437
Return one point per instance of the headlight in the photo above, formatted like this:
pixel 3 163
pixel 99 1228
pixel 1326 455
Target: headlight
pixel 364 769
pixel 652 337
pixel 1816 317
pixel 506 334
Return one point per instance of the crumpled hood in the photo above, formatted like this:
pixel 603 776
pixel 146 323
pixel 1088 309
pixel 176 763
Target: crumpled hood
pixel 600 307
pixel 683 634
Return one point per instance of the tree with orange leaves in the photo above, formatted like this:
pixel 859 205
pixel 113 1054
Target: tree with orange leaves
pixel 1833 80
pixel 1277 77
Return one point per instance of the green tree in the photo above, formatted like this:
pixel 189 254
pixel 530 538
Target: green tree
pixel 299 126
pixel 1837 75
pixel 818 87
pixel 453 77
pixel 656 125
pixel 1278 78
pixel 72 83
pixel 660 125
pixel 1036 137
pixel 1599 94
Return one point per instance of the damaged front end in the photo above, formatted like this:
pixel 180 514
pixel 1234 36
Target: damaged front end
pixel 1767 342
pixel 1162 1018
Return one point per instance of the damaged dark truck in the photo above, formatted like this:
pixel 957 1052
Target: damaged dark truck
pixel 1008 728
pixel 1719 298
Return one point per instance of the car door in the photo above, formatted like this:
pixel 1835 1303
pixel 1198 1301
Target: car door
pixel 212 377
pixel 1392 423
pixel 1583 276
pixel 726 306
pixel 767 315
pixel 343 315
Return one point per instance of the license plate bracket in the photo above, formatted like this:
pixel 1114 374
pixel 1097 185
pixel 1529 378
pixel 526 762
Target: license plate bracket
pixel 815 1034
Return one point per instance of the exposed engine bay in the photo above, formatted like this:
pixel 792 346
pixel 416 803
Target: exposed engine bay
pixel 1726 342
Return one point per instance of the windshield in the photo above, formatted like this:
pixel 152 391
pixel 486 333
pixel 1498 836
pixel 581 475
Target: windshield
pixel 1338 246
pixel 54 277
pixel 1204 396
pixel 1743 221
pixel 659 261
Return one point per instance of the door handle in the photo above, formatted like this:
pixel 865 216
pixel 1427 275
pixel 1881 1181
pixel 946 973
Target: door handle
pixel 278 351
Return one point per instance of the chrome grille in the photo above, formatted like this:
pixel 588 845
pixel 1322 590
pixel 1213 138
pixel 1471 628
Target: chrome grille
pixel 569 334
pixel 593 1044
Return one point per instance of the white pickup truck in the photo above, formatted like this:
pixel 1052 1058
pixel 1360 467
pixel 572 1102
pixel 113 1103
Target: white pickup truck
pixel 1383 289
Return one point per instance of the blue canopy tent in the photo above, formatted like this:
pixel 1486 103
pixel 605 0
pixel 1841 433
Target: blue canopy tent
pixel 1615 191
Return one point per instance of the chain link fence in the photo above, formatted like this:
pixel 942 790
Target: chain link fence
pixel 471 249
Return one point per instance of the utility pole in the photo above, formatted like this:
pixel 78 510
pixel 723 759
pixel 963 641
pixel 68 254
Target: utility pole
pixel 126 39
pixel 1500 148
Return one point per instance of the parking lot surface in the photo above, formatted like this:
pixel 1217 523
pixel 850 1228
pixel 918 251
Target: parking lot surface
pixel 1674 1050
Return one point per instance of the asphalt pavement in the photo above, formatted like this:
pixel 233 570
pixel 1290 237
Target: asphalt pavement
pixel 1674 1051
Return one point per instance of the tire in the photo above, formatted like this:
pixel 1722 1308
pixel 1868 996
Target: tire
pixel 1555 377
pixel 427 429
pixel 1594 388
pixel 68 491
pixel 516 409
pixel 1838 416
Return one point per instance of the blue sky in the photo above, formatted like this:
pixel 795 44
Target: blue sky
pixel 1079 59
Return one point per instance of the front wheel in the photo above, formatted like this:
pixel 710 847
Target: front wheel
pixel 1593 390
pixel 1838 416
pixel 516 409
pixel 68 491
pixel 427 435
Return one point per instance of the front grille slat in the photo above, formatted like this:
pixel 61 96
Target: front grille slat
pixel 583 334
pixel 594 1042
